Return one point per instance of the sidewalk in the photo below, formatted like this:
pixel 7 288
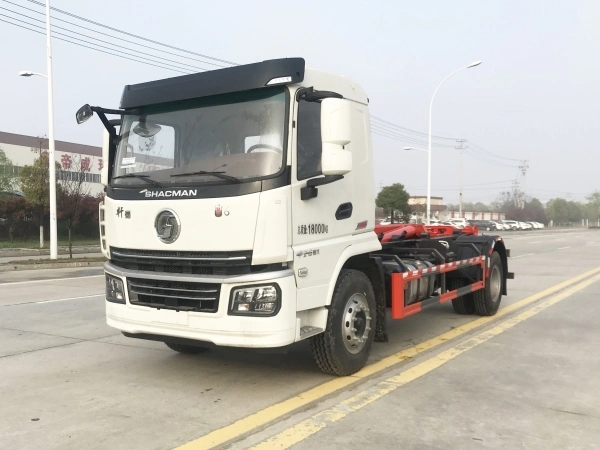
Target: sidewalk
pixel 17 253
pixel 6 259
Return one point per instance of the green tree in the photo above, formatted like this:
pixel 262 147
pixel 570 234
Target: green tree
pixel 394 200
pixel 73 190
pixel 576 212
pixel 557 210
pixel 593 206
pixel 505 202
pixel 7 177
pixel 35 184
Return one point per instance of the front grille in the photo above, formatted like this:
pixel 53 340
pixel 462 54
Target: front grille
pixel 177 295
pixel 192 263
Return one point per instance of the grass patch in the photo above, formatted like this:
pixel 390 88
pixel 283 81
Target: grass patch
pixel 33 262
pixel 35 244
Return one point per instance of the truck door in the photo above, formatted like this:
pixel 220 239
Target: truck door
pixel 318 236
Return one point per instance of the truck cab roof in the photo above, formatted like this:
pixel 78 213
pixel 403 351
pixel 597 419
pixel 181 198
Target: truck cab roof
pixel 275 72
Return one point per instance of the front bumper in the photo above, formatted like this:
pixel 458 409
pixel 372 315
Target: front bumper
pixel 218 328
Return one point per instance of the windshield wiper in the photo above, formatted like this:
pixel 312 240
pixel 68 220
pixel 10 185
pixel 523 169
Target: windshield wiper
pixel 219 174
pixel 142 177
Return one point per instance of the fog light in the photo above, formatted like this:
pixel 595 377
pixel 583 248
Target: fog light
pixel 115 289
pixel 255 300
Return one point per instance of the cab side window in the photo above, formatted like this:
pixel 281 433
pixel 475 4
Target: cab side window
pixel 309 140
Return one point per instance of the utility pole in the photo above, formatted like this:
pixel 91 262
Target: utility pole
pixel 523 166
pixel 516 193
pixel 51 152
pixel 460 193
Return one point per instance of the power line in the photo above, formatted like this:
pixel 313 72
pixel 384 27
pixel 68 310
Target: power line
pixel 131 34
pixel 490 153
pixel 90 37
pixel 106 34
pixel 400 137
pixel 101 46
pixel 408 130
pixel 92 48
pixel 392 128
pixel 486 159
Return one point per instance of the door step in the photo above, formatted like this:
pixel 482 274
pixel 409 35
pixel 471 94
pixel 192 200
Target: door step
pixel 308 331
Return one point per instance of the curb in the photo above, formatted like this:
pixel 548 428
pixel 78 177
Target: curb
pixel 13 267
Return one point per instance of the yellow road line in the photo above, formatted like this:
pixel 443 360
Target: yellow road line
pixel 280 410
pixel 317 422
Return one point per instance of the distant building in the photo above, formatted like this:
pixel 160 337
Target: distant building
pixel 470 215
pixel 418 205
pixel 69 155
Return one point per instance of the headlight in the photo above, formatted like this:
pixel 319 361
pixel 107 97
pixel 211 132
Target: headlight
pixel 115 290
pixel 255 300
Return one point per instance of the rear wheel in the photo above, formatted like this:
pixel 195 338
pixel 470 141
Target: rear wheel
pixel 344 347
pixel 464 303
pixel 188 349
pixel 487 300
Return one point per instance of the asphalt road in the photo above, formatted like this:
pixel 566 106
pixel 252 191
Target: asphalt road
pixel 69 381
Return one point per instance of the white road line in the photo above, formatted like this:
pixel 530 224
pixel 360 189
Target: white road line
pixel 522 256
pixel 50 280
pixel 562 248
pixel 71 298
pixel 591 242
pixel 536 242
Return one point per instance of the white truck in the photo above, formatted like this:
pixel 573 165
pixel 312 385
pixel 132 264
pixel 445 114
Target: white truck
pixel 240 211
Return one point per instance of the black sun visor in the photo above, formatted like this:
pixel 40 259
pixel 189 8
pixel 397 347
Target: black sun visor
pixel 214 82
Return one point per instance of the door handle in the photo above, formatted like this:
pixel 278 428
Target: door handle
pixel 344 211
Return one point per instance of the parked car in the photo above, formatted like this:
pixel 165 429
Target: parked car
pixel 448 223
pixel 458 222
pixel 537 225
pixel 513 225
pixel 486 225
pixel 500 226
pixel 526 226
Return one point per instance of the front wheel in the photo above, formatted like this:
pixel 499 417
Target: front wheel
pixel 344 347
pixel 487 300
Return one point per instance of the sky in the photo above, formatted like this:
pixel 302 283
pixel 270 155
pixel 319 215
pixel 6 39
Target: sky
pixel 535 97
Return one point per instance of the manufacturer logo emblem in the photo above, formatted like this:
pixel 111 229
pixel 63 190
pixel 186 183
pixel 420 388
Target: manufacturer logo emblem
pixel 167 226
pixel 169 193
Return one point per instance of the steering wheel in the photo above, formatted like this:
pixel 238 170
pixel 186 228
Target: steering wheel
pixel 267 146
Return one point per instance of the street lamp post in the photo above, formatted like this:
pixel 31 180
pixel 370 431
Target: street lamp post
pixel 51 149
pixel 473 64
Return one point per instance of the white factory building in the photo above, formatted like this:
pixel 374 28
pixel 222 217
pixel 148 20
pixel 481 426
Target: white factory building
pixel 23 150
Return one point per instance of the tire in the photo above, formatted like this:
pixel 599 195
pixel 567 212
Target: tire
pixel 344 347
pixel 463 304
pixel 187 349
pixel 487 300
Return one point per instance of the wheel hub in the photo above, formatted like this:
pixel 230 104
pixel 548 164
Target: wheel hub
pixel 356 323
pixel 495 283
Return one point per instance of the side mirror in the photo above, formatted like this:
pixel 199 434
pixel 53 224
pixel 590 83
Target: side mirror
pixel 336 133
pixel 105 158
pixel 83 114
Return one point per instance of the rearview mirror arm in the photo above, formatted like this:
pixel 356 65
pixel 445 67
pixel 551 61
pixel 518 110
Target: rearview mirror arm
pixel 108 123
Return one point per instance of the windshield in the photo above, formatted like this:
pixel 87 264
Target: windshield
pixel 237 137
